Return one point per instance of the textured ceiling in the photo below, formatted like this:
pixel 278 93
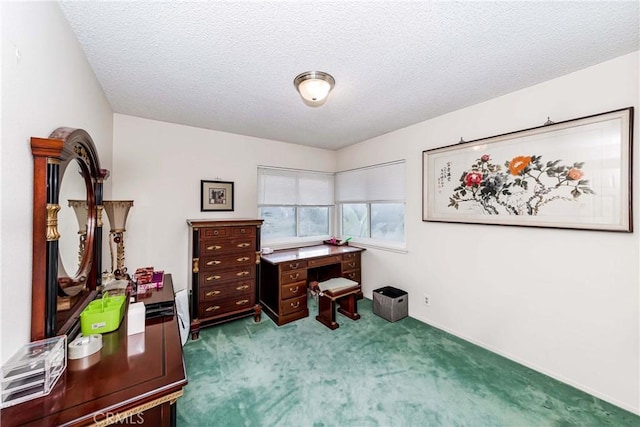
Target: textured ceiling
pixel 230 66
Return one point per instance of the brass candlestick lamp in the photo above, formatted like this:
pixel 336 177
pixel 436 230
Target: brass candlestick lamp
pixel 117 211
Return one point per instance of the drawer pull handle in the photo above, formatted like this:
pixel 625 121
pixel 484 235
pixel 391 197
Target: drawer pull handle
pixel 242 258
pixel 352 264
pixel 214 262
pixel 294 277
pixel 296 305
pixel 352 275
pixel 213 308
pixel 242 302
pixel 243 231
pixel 242 288
pixel 215 232
pixel 210 278
pixel 294 290
pixel 294 266
pixel 211 293
pixel 242 273
pixel 243 245
pixel 214 248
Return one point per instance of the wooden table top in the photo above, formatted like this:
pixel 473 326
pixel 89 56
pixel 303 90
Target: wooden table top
pixel 307 252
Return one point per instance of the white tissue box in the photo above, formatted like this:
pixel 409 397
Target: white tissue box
pixel 136 318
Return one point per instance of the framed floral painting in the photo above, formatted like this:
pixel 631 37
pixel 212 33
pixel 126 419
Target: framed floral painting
pixel 573 174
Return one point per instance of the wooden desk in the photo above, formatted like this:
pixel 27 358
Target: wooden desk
pixel 133 380
pixel 285 275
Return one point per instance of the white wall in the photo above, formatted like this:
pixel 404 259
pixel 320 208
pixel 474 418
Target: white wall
pixel 46 83
pixel 159 165
pixel 563 302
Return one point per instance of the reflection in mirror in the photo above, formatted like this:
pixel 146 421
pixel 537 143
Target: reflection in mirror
pixel 72 220
pixel 72 276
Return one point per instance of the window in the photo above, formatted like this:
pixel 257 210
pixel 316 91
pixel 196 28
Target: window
pixel 295 204
pixel 371 202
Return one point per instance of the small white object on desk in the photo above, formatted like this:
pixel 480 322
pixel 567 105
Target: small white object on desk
pixel 136 318
pixel 84 346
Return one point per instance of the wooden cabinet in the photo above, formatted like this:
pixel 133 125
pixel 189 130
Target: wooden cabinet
pixel 225 264
pixel 285 275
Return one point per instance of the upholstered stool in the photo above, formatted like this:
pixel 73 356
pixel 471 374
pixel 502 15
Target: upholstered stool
pixel 340 290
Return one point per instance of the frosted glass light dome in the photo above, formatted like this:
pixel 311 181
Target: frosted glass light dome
pixel 314 87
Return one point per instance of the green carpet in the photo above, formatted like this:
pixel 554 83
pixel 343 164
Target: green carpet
pixel 369 372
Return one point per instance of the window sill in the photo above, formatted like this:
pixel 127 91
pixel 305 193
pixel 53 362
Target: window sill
pixel 376 244
pixel 293 242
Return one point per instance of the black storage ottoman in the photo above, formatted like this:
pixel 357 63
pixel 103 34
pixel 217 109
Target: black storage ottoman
pixel 390 303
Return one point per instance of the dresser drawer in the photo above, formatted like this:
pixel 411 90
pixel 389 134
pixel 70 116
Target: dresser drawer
pixel 208 309
pixel 214 232
pixel 352 275
pixel 208 278
pixel 243 231
pixel 334 259
pixel 293 276
pixel 223 262
pixel 227 290
pixel 293 290
pixel 293 265
pixel 213 246
pixel 292 305
pixel 353 264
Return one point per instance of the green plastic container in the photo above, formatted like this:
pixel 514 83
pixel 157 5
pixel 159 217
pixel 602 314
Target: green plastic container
pixel 102 315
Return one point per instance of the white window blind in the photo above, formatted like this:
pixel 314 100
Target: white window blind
pixel 289 187
pixel 385 182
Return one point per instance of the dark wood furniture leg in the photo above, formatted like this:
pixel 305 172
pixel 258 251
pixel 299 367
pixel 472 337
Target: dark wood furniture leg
pixel 349 307
pixel 257 313
pixel 327 312
pixel 195 329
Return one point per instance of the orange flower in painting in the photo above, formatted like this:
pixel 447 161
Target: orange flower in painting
pixel 574 174
pixel 518 164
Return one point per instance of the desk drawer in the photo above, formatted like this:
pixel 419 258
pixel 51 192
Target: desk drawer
pixel 334 259
pixel 351 256
pixel 226 290
pixel 293 290
pixel 216 308
pixel 215 277
pixel 293 276
pixel 224 262
pixel 292 305
pixel 293 265
pixel 350 265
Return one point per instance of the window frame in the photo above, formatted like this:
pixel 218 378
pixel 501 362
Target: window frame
pixel 393 245
pixel 288 241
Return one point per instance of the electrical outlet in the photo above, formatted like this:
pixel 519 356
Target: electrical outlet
pixel 427 300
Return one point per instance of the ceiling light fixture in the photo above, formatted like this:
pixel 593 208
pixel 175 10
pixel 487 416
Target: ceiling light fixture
pixel 314 87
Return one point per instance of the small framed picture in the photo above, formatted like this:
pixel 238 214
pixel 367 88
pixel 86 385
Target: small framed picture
pixel 216 196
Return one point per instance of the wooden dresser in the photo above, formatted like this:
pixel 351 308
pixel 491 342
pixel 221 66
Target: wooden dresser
pixel 225 261
pixel 132 380
pixel 285 275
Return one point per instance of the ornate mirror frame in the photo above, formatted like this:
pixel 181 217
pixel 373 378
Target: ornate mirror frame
pixel 56 302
